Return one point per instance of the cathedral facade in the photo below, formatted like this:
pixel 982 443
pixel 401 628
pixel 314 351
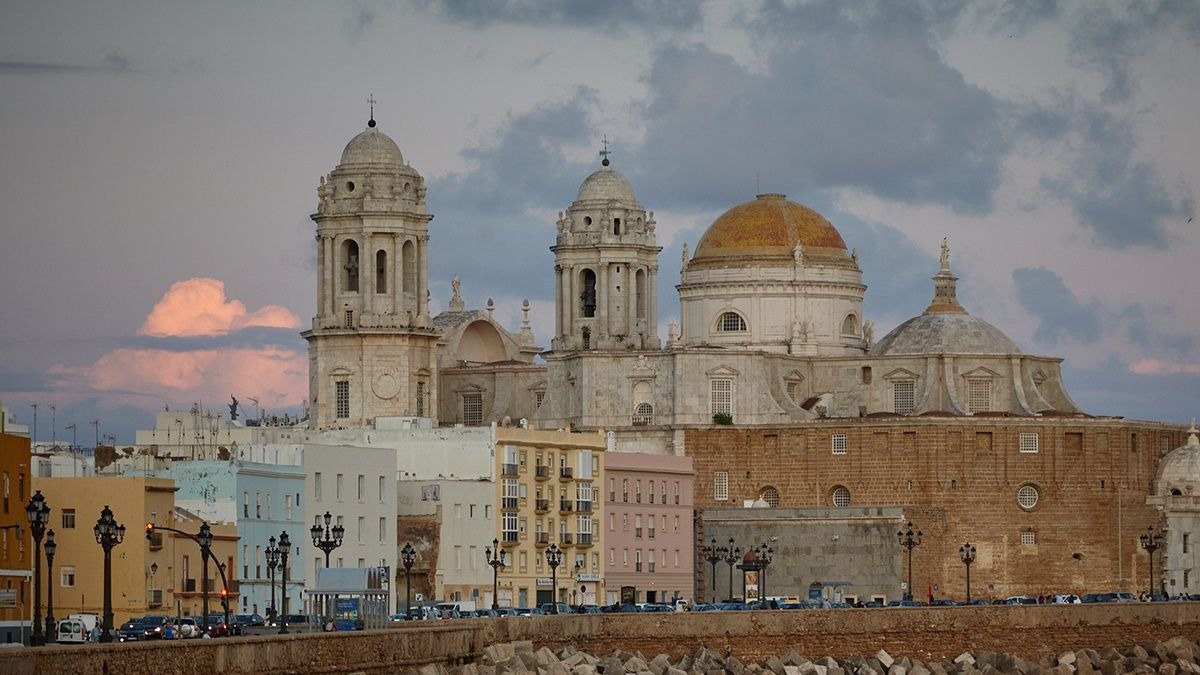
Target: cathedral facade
pixel 772 380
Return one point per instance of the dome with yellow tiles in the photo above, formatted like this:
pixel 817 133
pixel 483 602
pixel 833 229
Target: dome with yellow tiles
pixel 769 226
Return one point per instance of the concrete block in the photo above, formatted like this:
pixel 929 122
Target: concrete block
pixel 897 669
pixel 733 665
pixel 1067 658
pixel 635 665
pixel 1167 669
pixel 584 669
pixel 965 658
pixel 885 660
pixel 791 670
pixel 523 646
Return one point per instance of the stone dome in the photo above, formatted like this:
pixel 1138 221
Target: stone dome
pixel 606 184
pixel 770 225
pixel 372 147
pixel 1179 471
pixel 945 333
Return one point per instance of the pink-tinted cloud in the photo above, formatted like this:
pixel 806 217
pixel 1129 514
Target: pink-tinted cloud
pixel 1156 367
pixel 271 374
pixel 198 307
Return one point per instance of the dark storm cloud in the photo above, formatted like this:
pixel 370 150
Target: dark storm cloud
pixel 482 227
pixel 572 13
pixel 1110 388
pixel 1120 199
pixel 1059 313
pixel 840 104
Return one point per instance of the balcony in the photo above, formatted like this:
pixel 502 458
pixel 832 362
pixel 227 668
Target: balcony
pixel 542 472
pixel 508 469
pixel 510 503
pixel 651 567
pixel 509 538
pixel 156 541
pixel 585 539
pixel 565 506
pixel 566 473
pixel 650 533
pixel 583 506
pixel 155 599
pixel 188 586
pixel 637 567
pixel 541 538
pixel 637 533
pixel 541 505
pixel 565 539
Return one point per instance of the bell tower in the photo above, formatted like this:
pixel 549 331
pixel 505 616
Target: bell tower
pixel 606 269
pixel 372 345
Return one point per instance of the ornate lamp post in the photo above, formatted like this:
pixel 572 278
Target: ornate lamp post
pixel 108 534
pixel 966 553
pixel 765 555
pixel 285 547
pixel 495 558
pixel 205 539
pixel 327 538
pixel 1151 541
pixel 38 515
pixel 909 540
pixel 272 562
pixel 714 554
pixel 408 556
pixel 51 547
pixel 553 559
pixel 732 556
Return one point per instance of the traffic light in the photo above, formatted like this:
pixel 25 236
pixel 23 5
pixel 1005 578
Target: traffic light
pixel 149 531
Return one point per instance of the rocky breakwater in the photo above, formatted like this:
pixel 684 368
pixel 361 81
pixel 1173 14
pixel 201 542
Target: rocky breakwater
pixel 1177 656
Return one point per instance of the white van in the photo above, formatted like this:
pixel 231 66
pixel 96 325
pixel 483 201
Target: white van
pixel 77 628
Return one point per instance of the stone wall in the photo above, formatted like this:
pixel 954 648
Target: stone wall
pixel 933 633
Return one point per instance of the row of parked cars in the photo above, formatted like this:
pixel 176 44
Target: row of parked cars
pixel 161 627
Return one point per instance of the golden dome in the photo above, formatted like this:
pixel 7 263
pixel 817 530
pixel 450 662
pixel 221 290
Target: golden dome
pixel 769 226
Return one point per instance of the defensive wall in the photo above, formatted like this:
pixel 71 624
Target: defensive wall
pixel 925 633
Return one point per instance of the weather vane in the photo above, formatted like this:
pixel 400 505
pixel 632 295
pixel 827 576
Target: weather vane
pixel 605 152
pixel 371 100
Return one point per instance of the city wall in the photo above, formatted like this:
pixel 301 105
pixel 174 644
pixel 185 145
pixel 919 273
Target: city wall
pixel 927 634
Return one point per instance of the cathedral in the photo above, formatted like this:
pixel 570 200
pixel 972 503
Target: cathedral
pixel 772 380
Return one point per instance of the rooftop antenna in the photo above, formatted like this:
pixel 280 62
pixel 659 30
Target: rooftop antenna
pixel 96 423
pixel 605 152
pixel 257 414
pixel 53 428
pixel 34 436
pixel 371 100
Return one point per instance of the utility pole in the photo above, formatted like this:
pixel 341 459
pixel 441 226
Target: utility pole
pixel 53 427
pixel 33 437
pixel 96 423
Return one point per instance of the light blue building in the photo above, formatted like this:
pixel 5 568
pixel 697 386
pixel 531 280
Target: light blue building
pixel 260 490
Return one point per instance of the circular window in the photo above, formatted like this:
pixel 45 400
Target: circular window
pixel 350 186
pixel 1027 496
pixel 587 220
pixel 841 496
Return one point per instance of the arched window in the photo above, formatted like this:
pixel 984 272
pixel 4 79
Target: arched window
pixel 841 496
pixel 350 266
pixel 640 291
pixel 643 414
pixel 587 298
pixel 771 496
pixel 850 325
pixel 408 264
pixel 731 322
pixel 381 272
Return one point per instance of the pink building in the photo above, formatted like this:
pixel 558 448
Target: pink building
pixel 649 543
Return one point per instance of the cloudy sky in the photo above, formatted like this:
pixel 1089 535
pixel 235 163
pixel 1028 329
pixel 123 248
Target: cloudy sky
pixel 160 161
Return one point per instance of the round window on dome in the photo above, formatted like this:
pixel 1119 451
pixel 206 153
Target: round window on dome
pixel 349 186
pixel 1027 496
pixel 731 322
pixel 587 220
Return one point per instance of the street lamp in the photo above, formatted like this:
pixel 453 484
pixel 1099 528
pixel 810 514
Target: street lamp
pixel 51 547
pixel 966 553
pixel 553 558
pixel 495 558
pixel 108 534
pixel 909 540
pixel 714 554
pixel 765 555
pixel 1151 541
pixel 285 547
pixel 272 562
pixel 38 514
pixel 408 556
pixel 732 556
pixel 205 539
pixel 327 538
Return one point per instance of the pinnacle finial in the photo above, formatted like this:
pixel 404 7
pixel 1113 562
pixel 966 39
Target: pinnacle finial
pixel 371 101
pixel 605 152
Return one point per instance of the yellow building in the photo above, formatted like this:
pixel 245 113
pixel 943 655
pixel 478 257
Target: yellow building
pixel 548 492
pixel 183 577
pixel 16 544
pixel 78 575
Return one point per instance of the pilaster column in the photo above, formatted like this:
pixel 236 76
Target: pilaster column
pixel 367 274
pixel 558 302
pixel 328 274
pixel 422 275
pixel 602 299
pixel 652 305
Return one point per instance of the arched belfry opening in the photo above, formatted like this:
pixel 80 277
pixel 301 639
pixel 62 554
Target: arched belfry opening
pixel 350 266
pixel 587 298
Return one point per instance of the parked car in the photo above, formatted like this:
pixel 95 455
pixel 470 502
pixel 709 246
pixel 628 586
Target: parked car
pixel 506 611
pixel 944 602
pixel 485 613
pixel 214 625
pixel 187 627
pixel 131 631
pixel 397 617
pixel 249 620
pixel 587 609
pixel 1020 600
pixel 152 626
pixel 296 620
pixel 530 611
pixel 556 608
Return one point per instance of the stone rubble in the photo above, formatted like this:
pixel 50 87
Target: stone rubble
pixel 1177 656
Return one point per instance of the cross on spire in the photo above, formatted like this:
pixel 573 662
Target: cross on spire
pixel 605 152
pixel 371 100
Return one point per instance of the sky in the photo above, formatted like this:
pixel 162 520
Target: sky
pixel 160 161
